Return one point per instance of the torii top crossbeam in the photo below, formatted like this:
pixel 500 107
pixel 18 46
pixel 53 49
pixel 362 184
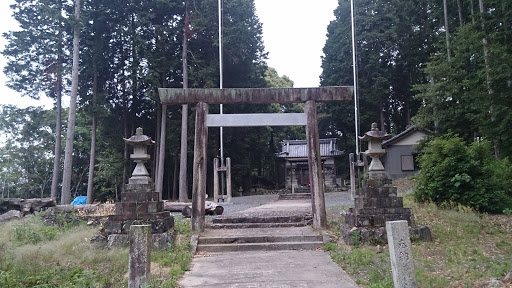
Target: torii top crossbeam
pixel 174 96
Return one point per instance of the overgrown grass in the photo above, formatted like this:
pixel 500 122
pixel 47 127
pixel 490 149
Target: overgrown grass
pixel 35 255
pixel 469 249
pixel 177 258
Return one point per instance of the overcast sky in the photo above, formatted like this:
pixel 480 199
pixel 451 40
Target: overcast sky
pixel 294 33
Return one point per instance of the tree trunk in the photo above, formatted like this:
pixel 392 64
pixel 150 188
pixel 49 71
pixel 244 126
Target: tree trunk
pixel 92 158
pixel 126 132
pixel 58 125
pixel 382 117
pixel 486 50
pixel 472 12
pixel 459 8
pixel 68 154
pixel 447 32
pixel 183 189
pixel 487 74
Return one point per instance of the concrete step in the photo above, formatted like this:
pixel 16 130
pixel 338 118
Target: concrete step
pixel 259 239
pixel 294 196
pixel 273 219
pixel 255 225
pixel 272 246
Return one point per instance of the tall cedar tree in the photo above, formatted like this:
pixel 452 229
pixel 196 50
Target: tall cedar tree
pixel 36 59
pixel 68 152
pixel 461 91
pixel 393 41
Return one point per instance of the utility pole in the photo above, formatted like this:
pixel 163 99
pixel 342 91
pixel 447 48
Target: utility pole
pixel 221 82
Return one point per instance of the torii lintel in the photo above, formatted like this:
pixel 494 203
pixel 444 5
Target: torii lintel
pixel 175 96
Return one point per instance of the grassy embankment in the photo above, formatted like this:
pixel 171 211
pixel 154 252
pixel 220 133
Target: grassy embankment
pixel 35 255
pixel 469 249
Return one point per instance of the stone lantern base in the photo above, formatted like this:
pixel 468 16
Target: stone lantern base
pixel 139 205
pixel 374 204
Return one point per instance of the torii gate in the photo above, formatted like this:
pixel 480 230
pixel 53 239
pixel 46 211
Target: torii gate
pixel 204 97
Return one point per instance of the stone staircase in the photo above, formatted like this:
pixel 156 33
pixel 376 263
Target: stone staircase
pixel 244 222
pixel 260 239
pixel 280 225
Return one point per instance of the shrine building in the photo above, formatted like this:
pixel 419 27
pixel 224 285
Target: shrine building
pixel 294 153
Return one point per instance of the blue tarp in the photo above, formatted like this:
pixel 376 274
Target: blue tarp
pixel 80 200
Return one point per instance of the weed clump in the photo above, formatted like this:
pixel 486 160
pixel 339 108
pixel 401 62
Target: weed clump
pixel 33 254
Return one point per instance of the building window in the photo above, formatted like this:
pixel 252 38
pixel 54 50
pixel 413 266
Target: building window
pixel 407 162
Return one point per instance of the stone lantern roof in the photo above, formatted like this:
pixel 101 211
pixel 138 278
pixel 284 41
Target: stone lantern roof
pixel 375 134
pixel 375 151
pixel 139 138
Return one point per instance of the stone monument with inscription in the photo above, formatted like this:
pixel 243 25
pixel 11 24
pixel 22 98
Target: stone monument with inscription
pixel 140 204
pixel 377 201
pixel 400 253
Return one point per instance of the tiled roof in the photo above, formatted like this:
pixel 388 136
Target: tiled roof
pixel 403 134
pixel 298 149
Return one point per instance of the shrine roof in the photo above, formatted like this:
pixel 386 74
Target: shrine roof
pixel 298 149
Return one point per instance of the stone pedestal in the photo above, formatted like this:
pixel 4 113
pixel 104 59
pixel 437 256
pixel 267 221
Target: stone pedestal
pixel 374 204
pixel 377 203
pixel 139 206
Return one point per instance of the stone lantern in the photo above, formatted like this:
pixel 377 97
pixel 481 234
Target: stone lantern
pixel 377 201
pixel 375 150
pixel 140 204
pixel 140 143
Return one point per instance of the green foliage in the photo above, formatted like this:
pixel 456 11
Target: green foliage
pixel 53 277
pixel 467 95
pixel 470 248
pixel 127 51
pixel 28 233
pixel 354 238
pixel 330 246
pixel 182 226
pixel 275 81
pixel 35 52
pixel 31 230
pixel 453 172
pixel 459 179
pixel 390 54
pixel 370 269
pixel 69 260
pixel 25 156
pixel 178 257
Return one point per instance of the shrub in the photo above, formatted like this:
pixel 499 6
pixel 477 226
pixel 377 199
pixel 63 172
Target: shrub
pixel 470 175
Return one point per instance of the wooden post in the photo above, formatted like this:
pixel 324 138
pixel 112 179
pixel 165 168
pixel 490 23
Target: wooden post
pixel 215 180
pixel 161 154
pixel 352 176
pixel 199 169
pixel 315 169
pixel 365 163
pixel 228 179
pixel 292 178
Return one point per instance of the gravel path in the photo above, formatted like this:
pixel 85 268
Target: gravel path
pixel 333 201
